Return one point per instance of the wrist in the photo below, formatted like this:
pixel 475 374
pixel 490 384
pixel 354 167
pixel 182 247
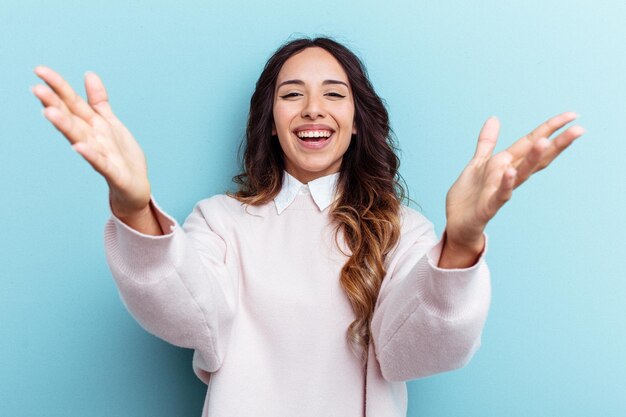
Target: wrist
pixel 131 215
pixel 126 207
pixel 460 253
pixel 144 220
pixel 464 239
pixel 466 245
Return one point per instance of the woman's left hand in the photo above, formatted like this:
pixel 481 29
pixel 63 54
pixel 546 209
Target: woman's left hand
pixel 488 180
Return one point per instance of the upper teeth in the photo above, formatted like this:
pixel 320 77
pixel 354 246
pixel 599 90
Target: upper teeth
pixel 314 133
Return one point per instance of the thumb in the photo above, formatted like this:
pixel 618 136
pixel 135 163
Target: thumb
pixel 97 95
pixel 487 138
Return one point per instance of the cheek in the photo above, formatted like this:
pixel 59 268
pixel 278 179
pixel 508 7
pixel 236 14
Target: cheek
pixel 281 116
pixel 349 114
pixel 280 126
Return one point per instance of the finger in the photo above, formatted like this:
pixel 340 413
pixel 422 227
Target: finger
pixel 559 144
pixel 97 95
pixel 530 163
pixel 66 93
pixel 504 191
pixel 73 128
pixel 487 138
pixel 521 147
pixel 48 98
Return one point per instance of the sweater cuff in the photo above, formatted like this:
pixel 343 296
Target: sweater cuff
pixel 140 256
pixel 452 293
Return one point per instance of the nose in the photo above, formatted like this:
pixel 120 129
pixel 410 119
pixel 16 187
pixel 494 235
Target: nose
pixel 313 108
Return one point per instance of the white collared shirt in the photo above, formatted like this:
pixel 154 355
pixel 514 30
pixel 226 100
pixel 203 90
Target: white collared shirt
pixel 323 191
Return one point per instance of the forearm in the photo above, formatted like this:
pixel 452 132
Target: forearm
pixel 430 321
pixel 169 289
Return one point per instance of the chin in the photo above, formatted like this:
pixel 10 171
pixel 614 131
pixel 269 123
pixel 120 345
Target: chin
pixel 321 169
pixel 309 172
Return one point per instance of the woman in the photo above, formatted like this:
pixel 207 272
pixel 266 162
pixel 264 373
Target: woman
pixel 311 290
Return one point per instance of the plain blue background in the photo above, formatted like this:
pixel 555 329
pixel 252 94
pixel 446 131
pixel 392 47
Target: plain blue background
pixel 180 77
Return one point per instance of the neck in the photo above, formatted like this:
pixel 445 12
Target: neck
pixel 307 176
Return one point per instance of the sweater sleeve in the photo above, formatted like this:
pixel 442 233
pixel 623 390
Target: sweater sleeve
pixel 176 286
pixel 427 319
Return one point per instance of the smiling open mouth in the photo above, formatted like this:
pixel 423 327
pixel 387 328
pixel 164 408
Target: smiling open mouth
pixel 314 135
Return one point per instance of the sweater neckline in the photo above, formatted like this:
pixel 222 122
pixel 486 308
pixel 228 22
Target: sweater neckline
pixel 322 190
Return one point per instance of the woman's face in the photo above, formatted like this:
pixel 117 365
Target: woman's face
pixel 313 114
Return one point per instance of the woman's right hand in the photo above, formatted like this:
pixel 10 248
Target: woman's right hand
pixel 99 137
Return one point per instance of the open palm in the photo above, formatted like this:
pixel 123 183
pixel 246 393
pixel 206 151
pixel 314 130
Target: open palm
pixel 98 136
pixel 488 180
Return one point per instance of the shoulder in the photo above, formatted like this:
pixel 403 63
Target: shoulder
pixel 220 213
pixel 220 202
pixel 413 222
pixel 416 231
pixel 224 207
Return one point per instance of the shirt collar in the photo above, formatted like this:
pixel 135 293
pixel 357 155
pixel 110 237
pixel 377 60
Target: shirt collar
pixel 321 189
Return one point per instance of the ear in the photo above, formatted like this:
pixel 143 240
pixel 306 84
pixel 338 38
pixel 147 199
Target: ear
pixel 273 128
pixel 354 128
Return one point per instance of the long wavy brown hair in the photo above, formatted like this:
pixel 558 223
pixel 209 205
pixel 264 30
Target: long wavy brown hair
pixel 366 210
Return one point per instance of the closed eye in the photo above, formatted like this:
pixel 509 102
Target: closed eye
pixel 290 95
pixel 337 95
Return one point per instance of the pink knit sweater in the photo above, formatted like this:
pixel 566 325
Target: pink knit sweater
pixel 256 294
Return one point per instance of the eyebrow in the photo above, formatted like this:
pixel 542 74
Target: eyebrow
pixel 300 82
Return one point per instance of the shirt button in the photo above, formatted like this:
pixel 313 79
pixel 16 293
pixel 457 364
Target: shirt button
pixel 304 190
